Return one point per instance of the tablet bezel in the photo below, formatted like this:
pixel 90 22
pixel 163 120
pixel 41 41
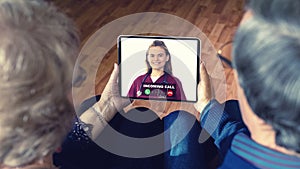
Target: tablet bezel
pixel 119 45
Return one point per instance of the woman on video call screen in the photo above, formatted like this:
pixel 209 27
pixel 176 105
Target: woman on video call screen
pixel 158 82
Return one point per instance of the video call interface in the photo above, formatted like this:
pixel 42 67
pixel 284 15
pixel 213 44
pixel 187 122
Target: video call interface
pixel 159 67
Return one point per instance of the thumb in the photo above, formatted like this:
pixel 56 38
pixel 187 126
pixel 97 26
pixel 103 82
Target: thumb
pixel 204 77
pixel 114 75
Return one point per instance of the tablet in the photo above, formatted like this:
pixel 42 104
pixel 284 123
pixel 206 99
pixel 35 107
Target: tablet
pixel 159 67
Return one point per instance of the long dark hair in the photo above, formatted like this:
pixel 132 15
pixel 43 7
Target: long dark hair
pixel 168 65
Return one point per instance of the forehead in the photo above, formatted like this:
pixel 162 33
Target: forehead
pixel 155 50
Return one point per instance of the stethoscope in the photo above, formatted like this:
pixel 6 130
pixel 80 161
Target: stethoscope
pixel 139 92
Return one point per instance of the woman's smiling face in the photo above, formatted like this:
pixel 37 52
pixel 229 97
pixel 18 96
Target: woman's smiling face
pixel 157 57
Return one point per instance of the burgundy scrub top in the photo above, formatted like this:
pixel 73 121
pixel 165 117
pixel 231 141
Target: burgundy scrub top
pixel 166 87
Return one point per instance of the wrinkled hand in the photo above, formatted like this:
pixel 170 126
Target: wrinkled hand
pixel 111 102
pixel 204 90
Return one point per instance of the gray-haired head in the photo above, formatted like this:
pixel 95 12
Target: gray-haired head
pixel 267 58
pixel 38 48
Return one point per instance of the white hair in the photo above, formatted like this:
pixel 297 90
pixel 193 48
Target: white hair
pixel 38 47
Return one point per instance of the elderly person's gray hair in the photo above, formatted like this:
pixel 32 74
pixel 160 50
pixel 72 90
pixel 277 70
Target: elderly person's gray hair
pixel 266 56
pixel 38 47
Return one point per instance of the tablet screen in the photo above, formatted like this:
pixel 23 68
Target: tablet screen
pixel 159 67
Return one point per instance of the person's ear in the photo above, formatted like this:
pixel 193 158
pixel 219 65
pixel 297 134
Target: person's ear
pixel 235 75
pixel 247 15
pixel 168 58
pixel 250 119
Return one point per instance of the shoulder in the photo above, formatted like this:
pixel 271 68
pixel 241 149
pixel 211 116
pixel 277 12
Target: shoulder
pixel 237 164
pixel 172 78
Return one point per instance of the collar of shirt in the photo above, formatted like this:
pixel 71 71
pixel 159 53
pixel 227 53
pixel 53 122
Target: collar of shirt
pixel 261 156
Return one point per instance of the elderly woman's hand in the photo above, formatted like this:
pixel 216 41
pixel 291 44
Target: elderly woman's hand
pixel 204 90
pixel 96 117
pixel 111 101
